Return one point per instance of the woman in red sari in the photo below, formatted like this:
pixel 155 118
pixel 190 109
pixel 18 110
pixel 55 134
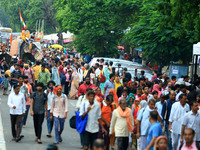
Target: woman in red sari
pixel 98 96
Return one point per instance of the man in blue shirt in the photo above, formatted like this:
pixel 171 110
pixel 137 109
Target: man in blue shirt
pixel 154 131
pixel 110 84
pixel 166 110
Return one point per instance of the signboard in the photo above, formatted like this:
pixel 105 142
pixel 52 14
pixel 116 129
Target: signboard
pixel 196 49
pixel 174 71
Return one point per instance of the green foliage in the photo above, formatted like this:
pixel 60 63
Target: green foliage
pixel 98 25
pixel 157 36
pixel 32 10
pixel 4 19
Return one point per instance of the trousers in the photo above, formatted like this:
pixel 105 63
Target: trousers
pixel 175 140
pixel 49 123
pixel 122 143
pixel 15 125
pixel 143 142
pixel 26 114
pixel 38 121
pixel 105 137
pixel 59 126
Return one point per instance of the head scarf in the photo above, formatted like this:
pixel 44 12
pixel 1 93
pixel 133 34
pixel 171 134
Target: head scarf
pixel 99 97
pixel 143 97
pixel 117 84
pixel 158 139
pixel 143 104
pixel 117 79
pixel 129 83
pixel 136 109
pixel 131 95
pixel 57 88
pixel 115 97
pixel 156 88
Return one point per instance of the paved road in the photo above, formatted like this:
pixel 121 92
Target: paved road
pixel 70 136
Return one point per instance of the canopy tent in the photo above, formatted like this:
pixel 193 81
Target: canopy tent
pixel 54 36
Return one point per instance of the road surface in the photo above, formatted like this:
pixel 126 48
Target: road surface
pixel 71 140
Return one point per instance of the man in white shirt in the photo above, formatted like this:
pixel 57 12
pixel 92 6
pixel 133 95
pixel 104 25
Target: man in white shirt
pixel 192 120
pixel 182 91
pixel 93 110
pixel 50 95
pixel 12 68
pixel 17 104
pixel 178 111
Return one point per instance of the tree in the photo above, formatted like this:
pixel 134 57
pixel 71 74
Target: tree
pixel 186 14
pixel 155 35
pixel 94 23
pixel 32 11
pixel 4 19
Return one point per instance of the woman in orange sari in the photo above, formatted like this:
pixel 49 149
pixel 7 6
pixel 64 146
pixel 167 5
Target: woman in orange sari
pixel 115 97
pixel 98 96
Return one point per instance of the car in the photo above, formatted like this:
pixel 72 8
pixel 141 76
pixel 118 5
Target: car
pixel 132 67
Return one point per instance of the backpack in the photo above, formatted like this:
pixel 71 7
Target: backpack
pixel 197 145
pixel 54 98
pixel 62 77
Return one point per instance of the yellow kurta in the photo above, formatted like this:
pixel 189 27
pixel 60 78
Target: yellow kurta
pixel 24 34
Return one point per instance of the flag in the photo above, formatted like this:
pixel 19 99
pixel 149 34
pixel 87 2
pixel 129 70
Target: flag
pixel 21 20
pixel 11 37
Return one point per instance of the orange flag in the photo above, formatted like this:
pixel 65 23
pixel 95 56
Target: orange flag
pixel 11 37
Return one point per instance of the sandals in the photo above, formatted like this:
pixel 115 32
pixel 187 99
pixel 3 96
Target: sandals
pixel 49 136
pixel 55 142
pixel 39 141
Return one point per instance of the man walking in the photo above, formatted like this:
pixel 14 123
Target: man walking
pixel 59 109
pixel 122 123
pixel 50 95
pixel 92 109
pixel 178 111
pixel 154 131
pixel 165 115
pixel 110 84
pixel 144 124
pixel 43 76
pixel 17 104
pixel 38 105
pixel 36 69
pixel 192 120
pixel 15 75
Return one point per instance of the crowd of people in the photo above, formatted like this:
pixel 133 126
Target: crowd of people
pixel 138 113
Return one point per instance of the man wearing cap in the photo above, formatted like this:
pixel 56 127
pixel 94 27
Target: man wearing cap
pixel 38 108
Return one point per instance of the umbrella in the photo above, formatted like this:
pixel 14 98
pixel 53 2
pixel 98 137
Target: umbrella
pixel 56 46
pixel 120 47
